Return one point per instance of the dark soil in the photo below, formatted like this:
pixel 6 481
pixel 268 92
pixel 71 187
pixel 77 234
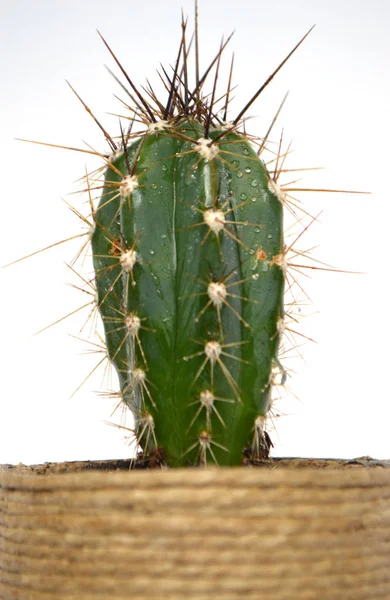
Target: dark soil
pixel 127 464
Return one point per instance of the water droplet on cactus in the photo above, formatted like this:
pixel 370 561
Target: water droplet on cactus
pixel 245 151
pixel 265 265
pixel 164 167
pixel 247 169
pixel 257 229
pixel 255 276
pixel 254 183
pixel 151 251
pixel 243 196
pixel 163 236
pixel 239 174
pixel 235 163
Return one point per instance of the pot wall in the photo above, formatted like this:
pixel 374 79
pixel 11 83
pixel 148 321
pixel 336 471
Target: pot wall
pixel 221 534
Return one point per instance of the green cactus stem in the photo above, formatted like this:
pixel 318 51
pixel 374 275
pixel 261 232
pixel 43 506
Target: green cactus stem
pixel 189 261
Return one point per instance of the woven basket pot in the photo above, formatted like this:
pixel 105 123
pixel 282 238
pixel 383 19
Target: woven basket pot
pixel 82 531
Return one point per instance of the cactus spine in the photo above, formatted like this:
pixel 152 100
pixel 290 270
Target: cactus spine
pixel 190 272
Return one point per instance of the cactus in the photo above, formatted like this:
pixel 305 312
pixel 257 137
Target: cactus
pixel 188 254
pixel 190 268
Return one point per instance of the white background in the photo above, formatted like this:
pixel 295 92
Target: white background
pixel 337 115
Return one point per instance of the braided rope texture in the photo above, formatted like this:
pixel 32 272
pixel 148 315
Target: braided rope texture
pixel 194 534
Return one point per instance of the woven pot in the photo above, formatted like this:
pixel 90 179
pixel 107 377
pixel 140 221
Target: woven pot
pixel 277 532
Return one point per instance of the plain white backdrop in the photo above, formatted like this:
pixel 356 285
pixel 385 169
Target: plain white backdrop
pixel 337 116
